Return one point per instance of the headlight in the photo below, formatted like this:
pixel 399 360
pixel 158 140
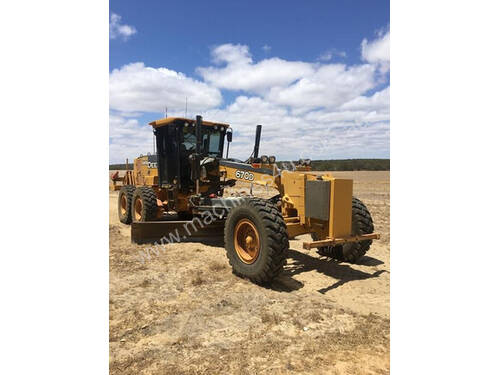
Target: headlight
pixel 272 159
pixel 215 128
pixel 264 158
pixel 186 124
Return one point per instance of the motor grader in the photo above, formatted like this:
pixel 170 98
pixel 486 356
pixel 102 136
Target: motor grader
pixel 182 187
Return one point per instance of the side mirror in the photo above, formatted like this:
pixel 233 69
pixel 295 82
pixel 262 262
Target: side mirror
pixel 229 136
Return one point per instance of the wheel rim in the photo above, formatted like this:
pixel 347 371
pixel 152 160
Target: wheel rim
pixel 123 205
pixel 138 209
pixel 246 241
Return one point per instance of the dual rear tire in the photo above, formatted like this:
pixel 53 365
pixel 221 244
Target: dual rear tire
pixel 125 203
pixel 136 204
pixel 144 206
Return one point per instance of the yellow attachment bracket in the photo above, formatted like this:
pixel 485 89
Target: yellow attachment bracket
pixel 340 241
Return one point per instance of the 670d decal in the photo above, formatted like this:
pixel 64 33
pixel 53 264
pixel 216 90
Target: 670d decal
pixel 244 175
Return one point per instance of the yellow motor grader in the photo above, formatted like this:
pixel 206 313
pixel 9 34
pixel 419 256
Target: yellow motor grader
pixel 179 194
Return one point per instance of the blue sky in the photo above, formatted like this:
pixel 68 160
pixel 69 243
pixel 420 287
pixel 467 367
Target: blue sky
pixel 315 74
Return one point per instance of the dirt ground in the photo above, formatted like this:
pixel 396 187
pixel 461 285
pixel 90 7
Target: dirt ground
pixel 184 312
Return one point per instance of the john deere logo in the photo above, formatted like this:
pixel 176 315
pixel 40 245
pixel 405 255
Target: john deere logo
pixel 150 165
pixel 244 175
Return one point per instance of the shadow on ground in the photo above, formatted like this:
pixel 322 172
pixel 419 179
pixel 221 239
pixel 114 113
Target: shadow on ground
pixel 299 262
pixel 343 272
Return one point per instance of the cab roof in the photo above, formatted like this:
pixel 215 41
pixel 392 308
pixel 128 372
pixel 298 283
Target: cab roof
pixel 171 120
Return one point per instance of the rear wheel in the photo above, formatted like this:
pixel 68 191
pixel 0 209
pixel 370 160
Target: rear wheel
pixel 334 252
pixel 144 207
pixel 362 223
pixel 352 252
pixel 256 240
pixel 125 203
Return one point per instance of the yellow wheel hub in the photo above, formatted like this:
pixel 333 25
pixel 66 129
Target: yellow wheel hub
pixel 138 209
pixel 123 205
pixel 246 241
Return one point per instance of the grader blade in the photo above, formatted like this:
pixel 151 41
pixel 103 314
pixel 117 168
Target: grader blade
pixel 164 232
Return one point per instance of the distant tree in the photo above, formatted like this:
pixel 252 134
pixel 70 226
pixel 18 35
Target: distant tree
pixel 323 165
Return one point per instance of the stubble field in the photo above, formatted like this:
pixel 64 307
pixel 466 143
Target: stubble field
pixel 184 312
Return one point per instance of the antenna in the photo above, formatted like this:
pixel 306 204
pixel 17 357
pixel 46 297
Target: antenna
pixel 166 112
pixel 186 114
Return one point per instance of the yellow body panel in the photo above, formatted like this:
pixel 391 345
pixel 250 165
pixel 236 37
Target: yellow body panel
pixel 291 186
pixel 170 120
pixel 292 189
pixel 263 179
pixel 340 208
pixel 296 229
pixel 144 173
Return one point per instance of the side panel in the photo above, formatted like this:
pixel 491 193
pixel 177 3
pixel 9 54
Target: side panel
pixel 293 185
pixel 145 171
pixel 247 173
pixel 340 208
pixel 318 199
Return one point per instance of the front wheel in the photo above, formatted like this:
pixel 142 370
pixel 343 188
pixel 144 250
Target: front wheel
pixel 256 240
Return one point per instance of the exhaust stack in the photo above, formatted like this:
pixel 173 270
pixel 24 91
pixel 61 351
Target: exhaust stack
pixel 258 130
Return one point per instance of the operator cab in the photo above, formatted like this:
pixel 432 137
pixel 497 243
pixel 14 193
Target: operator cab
pixel 176 141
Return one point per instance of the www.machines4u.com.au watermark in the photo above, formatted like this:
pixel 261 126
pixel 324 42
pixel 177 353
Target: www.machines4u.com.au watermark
pixel 190 229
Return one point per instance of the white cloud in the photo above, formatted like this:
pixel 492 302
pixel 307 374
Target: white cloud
pixel 328 86
pixel 135 87
pixel 246 112
pixel 323 133
pixel 330 54
pixel 326 56
pixel 308 109
pixel 240 73
pixel 128 138
pixel 378 51
pixel 266 48
pixel 378 101
pixel 119 30
pixel 293 83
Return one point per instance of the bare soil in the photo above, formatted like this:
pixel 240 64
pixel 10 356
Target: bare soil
pixel 184 312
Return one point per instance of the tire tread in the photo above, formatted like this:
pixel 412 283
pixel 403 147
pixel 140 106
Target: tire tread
pixel 128 190
pixel 277 239
pixel 150 207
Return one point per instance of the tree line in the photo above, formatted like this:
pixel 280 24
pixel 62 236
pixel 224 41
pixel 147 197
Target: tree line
pixel 321 165
pixel 121 167
pixel 351 165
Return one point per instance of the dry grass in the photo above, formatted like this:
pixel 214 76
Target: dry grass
pixel 217 266
pixel 198 279
pixel 272 318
